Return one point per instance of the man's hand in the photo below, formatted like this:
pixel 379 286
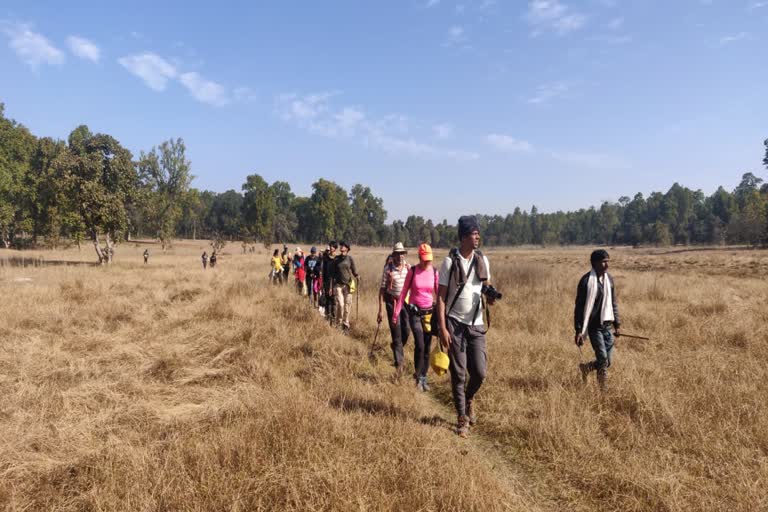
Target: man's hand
pixel 578 339
pixel 616 331
pixel 490 301
pixel 379 317
pixel 445 339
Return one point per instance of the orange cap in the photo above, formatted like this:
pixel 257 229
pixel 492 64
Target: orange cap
pixel 425 252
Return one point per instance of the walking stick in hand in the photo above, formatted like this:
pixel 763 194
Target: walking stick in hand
pixel 371 355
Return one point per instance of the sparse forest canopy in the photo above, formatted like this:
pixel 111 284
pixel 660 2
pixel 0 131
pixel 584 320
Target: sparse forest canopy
pixel 90 188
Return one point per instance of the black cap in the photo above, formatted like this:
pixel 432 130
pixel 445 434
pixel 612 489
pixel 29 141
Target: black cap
pixel 467 224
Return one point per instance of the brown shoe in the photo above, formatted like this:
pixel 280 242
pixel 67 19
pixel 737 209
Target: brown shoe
pixel 462 427
pixel 602 378
pixel 585 369
pixel 471 414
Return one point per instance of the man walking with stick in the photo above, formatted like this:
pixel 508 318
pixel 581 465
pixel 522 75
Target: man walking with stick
pixel 392 281
pixel 596 310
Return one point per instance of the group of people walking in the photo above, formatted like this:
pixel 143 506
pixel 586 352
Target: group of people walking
pixel 329 280
pixel 449 302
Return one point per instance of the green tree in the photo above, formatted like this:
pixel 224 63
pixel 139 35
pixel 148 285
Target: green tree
pixel 167 173
pixel 224 218
pixel 100 179
pixel 259 209
pixel 330 211
pixel 368 215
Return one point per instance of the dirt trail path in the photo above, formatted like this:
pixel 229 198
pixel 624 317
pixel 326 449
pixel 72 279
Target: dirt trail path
pixel 483 449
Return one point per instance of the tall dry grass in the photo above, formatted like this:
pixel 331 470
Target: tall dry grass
pixel 163 387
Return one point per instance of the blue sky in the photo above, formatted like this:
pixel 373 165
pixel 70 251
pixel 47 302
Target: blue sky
pixel 441 107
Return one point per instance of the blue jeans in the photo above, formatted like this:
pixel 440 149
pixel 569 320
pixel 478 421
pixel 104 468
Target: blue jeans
pixel 602 340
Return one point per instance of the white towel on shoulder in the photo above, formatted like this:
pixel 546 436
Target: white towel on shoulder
pixel 606 308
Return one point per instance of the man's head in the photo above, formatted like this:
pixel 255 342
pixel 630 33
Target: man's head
pixel 469 232
pixel 343 247
pixel 333 245
pixel 599 260
pixel 398 251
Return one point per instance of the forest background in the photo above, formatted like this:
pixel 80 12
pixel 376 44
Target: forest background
pixel 90 188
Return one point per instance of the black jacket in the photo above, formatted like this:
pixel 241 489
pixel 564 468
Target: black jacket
pixel 594 317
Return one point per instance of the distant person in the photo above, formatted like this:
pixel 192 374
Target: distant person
pixel 286 259
pixel 312 266
pixel 422 283
pixel 276 266
pixel 329 269
pixel 392 281
pixel 205 260
pixel 596 310
pixel 146 256
pixel 213 259
pixel 345 271
pixel 460 307
pixel 299 271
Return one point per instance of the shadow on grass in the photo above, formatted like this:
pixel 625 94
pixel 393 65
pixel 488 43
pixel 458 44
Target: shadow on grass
pixel 369 406
pixel 22 262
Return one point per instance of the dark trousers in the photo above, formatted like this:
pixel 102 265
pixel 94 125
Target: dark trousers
pixel 422 342
pixel 330 302
pixel 468 358
pixel 602 340
pixel 398 331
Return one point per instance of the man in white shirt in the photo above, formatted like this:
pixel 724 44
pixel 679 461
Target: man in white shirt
pixel 460 310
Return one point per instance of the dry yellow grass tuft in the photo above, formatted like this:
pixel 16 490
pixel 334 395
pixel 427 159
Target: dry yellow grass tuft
pixel 163 387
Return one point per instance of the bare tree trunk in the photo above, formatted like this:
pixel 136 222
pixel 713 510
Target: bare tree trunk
pixel 97 247
pixel 110 250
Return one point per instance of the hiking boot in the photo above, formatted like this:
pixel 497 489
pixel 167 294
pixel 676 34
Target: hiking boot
pixel 585 369
pixel 345 330
pixel 462 427
pixel 602 378
pixel 398 372
pixel 471 414
pixel 424 385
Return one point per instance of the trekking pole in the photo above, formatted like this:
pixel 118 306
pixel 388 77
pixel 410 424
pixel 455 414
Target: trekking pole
pixel 631 336
pixel 581 354
pixel 357 301
pixel 371 355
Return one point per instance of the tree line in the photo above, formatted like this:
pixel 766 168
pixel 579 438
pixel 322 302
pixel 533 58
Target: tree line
pixel 90 189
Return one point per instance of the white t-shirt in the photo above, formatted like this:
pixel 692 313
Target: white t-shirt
pixel 470 296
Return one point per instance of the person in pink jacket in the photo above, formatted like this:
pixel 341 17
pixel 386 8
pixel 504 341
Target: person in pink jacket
pixel 421 281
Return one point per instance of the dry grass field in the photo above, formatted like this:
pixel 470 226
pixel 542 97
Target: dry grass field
pixel 164 387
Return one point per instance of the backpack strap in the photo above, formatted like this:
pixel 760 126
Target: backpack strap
pixel 454 264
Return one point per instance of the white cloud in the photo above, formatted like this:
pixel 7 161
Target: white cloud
pixel 456 36
pixel 432 3
pixel 204 91
pixel 615 23
pixel 316 114
pixel 31 47
pixel 757 5
pixel 443 131
pixel 553 15
pixel 84 48
pixel 547 92
pixel 151 68
pixel 508 143
pixel 601 161
pixel 244 94
pixel 734 38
